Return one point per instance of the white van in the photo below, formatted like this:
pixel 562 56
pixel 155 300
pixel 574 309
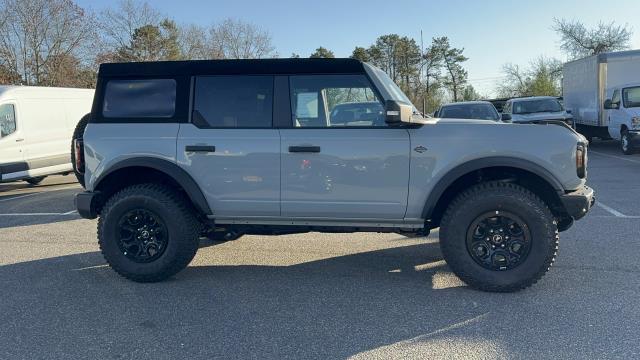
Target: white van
pixel 36 126
pixel 624 116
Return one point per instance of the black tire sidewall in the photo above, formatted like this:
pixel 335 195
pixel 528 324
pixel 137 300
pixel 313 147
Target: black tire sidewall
pixel 78 133
pixel 176 242
pixel 535 215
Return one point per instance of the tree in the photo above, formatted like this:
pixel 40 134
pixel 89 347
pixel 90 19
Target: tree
pixel 294 56
pixel 193 42
pixel 33 33
pixel 361 54
pixel 118 25
pixel 470 94
pixel 579 41
pixel 452 59
pixel 235 39
pixel 322 53
pixel 152 43
pixel 541 78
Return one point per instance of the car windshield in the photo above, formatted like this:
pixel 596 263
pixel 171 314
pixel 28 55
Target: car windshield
pixel 536 106
pixel 391 86
pixel 631 97
pixel 469 111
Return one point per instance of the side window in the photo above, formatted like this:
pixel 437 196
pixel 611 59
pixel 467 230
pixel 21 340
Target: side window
pixel 335 101
pixel 150 98
pixel 7 120
pixel 615 98
pixel 233 101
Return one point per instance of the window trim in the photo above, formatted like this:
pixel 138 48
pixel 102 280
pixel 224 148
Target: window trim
pixel 180 111
pixel 15 119
pixel 375 90
pixel 192 102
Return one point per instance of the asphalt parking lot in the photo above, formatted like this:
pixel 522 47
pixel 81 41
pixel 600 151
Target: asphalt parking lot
pixel 317 295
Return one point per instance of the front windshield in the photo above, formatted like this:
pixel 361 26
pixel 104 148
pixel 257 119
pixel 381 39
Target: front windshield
pixel 631 97
pixel 536 106
pixel 391 86
pixel 470 111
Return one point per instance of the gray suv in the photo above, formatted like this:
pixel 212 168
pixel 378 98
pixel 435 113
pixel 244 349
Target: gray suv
pixel 176 151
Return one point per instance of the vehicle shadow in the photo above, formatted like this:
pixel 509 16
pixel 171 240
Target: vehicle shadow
pixel 76 306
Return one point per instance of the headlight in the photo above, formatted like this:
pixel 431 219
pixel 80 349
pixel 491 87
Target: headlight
pixel 581 161
pixel 635 122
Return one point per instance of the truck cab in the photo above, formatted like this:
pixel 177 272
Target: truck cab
pixel 623 113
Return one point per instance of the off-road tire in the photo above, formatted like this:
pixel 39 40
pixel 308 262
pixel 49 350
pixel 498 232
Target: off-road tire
pixel 499 196
pixel 35 180
pixel 178 217
pixel 78 133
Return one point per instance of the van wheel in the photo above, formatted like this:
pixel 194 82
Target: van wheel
pixel 78 133
pixel 499 237
pixel 35 180
pixel 625 144
pixel 148 232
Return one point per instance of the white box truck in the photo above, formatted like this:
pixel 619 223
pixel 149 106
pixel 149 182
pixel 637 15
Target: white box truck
pixel 36 127
pixel 603 94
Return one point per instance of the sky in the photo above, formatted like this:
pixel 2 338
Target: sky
pixel 492 33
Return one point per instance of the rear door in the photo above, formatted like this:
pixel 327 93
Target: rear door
pixel 230 147
pixel 340 160
pixel 11 143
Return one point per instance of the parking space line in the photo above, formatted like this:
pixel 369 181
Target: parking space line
pixel 38 214
pixel 614 156
pixel 19 197
pixel 611 210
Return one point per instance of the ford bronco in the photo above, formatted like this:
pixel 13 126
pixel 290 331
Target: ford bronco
pixel 173 151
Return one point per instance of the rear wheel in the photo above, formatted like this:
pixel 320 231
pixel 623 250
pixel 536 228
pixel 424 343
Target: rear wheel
pixel 148 232
pixel 35 180
pixel 499 237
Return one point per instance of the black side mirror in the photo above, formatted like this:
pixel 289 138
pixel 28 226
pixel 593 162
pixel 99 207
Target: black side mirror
pixel 506 117
pixel 398 112
pixel 611 105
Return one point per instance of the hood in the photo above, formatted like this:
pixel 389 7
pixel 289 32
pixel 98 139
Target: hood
pixel 541 116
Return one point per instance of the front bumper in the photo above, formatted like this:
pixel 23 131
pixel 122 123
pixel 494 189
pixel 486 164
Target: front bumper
pixel 86 204
pixel 578 203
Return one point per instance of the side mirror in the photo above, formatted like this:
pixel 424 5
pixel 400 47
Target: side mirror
pixel 398 112
pixel 506 117
pixel 611 105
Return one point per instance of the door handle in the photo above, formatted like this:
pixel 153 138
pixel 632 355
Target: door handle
pixel 304 149
pixel 200 148
pixel 19 140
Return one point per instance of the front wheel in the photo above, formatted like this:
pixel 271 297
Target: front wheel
pixel 499 237
pixel 148 232
pixel 625 143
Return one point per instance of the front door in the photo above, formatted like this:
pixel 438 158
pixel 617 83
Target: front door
pixel 230 148
pixel 340 160
pixel 12 162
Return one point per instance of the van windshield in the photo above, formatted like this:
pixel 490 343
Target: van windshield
pixel 536 106
pixel 631 97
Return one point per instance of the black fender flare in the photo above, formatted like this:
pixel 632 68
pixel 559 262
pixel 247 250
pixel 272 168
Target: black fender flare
pixel 169 168
pixel 488 162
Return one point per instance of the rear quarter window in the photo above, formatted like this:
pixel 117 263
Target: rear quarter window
pixel 148 98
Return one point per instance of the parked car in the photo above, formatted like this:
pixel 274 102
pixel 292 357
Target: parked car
pixel 498 103
pixel 594 88
pixel 175 149
pixel 479 110
pixel 36 126
pixel 536 109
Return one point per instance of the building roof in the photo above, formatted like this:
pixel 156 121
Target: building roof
pixel 233 67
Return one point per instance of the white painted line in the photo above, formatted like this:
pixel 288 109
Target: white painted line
pixel 19 197
pixel 70 212
pixel 38 214
pixel 614 156
pixel 611 210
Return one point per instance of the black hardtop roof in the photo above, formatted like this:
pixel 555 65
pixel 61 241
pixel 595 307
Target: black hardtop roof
pixel 232 67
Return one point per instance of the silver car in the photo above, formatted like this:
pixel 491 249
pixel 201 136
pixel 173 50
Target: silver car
pixel 536 109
